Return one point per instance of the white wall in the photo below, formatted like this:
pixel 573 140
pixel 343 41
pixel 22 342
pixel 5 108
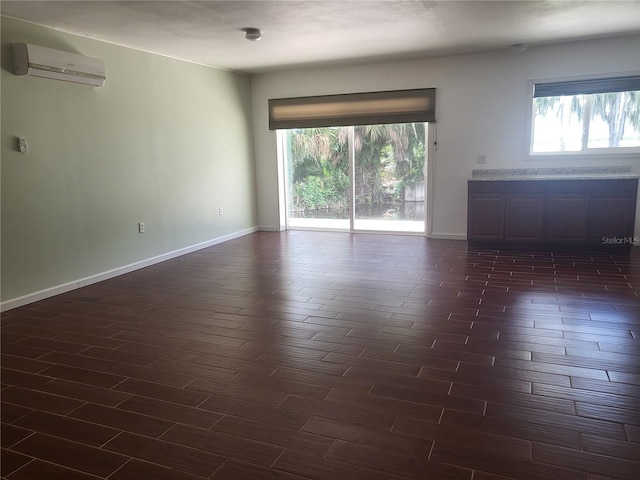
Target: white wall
pixel 164 141
pixel 481 108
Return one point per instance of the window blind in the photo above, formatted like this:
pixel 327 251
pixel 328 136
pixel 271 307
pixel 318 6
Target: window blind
pixel 371 108
pixel 586 87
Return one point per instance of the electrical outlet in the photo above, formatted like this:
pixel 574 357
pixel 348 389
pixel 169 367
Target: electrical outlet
pixel 22 145
pixel 481 159
pixel 141 227
pixel 220 211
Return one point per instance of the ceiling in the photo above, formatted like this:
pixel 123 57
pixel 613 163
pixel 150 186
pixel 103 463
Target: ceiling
pixel 317 32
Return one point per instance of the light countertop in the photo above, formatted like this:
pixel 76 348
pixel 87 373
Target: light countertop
pixel 569 173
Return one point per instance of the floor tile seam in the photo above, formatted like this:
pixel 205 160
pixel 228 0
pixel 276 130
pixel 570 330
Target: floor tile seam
pixel 34 459
pixel 75 442
pixel 165 419
pixel 30 410
pixel 598 402
pixel 434 405
pixel 35 390
pixel 379 363
pixel 584 424
pixel 146 415
pixel 24 342
pixel 567 362
pixel 600 456
pixel 155 383
pixel 521 433
pixel 151 462
pixel 107 372
pixel 121 467
pixel 282 391
pixel 51 379
pixel 71 418
pixel 162 385
pixel 359 466
pixel 366 410
pixel 31 433
pixel 213 429
pixel 583 449
pixel 221 434
pixel 604 419
pixel 37 359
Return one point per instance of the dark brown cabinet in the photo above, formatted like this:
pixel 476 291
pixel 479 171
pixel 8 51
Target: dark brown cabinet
pixel 613 216
pixel 487 221
pixel 552 212
pixel 524 215
pixel 567 218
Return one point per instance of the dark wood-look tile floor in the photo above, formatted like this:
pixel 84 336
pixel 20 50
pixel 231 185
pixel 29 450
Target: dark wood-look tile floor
pixel 330 356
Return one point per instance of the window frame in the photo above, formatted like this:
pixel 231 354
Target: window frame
pixel 619 153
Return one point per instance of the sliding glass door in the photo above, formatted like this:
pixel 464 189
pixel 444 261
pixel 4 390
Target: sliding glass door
pixel 317 172
pixel 362 178
pixel 388 177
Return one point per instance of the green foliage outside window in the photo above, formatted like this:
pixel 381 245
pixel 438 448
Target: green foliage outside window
pixel 388 158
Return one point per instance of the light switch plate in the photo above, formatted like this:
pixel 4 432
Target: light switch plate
pixel 22 145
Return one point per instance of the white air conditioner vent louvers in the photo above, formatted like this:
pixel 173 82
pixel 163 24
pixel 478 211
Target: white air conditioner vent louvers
pixel 49 63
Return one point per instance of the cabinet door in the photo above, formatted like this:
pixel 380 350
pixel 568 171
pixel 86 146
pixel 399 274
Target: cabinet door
pixel 612 216
pixel 486 216
pixel 567 218
pixel 524 214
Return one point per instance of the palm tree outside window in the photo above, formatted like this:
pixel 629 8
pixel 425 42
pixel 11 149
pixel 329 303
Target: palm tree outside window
pixel 596 115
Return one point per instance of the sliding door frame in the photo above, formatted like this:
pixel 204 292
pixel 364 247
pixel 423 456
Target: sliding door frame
pixel 429 169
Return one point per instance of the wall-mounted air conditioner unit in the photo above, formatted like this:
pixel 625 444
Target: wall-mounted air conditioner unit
pixel 49 63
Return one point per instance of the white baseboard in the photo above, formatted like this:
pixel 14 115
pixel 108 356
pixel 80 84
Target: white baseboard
pixel 268 229
pixel 83 282
pixel 448 236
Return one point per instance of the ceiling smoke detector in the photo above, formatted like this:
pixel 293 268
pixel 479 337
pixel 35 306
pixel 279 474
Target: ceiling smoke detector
pixel 252 34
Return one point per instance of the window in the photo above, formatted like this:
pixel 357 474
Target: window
pixel 586 116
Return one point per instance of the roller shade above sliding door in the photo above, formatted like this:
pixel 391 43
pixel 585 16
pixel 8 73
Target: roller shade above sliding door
pixel 372 108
